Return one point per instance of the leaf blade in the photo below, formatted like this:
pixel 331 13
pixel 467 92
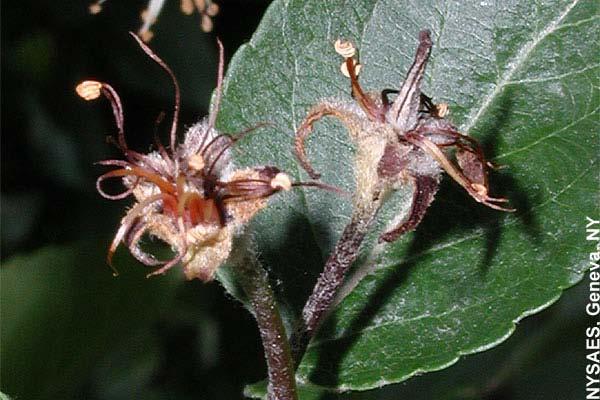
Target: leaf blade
pixel 460 284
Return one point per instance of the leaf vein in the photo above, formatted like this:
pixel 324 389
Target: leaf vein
pixel 516 63
pixel 553 78
pixel 546 137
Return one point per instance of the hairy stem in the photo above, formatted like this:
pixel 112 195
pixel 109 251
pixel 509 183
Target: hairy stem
pixel 334 273
pixel 255 282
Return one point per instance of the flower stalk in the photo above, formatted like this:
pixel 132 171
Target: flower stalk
pixel 255 282
pixel 344 254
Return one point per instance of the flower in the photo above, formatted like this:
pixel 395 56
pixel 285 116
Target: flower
pixel 404 141
pixel 190 195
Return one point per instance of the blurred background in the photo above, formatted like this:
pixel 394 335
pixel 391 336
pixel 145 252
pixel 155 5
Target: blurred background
pixel 69 330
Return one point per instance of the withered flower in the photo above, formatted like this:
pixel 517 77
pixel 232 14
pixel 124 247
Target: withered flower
pixel 190 195
pixel 206 8
pixel 403 141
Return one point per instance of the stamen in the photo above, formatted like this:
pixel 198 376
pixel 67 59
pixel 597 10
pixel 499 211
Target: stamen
pixel 441 158
pixel 119 196
pixel 214 140
pixel 215 111
pixel 281 181
pixel 180 254
pixel 196 162
pixel 161 148
pixel 207 9
pixel 347 50
pixel 244 185
pixel 246 189
pixel 323 186
pixel 89 90
pixel 165 67
pixel 184 200
pixel 231 143
pixel 96 7
pixel 187 7
pixel 454 135
pixel 350 68
pixel 441 110
pixel 206 23
pixel 132 240
pixel 126 225
pixel 115 102
pixel 164 186
pixel 118 163
pixel 480 189
pixel 344 48
pixel 212 9
pixel 171 263
pixel 149 16
pixel 200 5
pixel 344 68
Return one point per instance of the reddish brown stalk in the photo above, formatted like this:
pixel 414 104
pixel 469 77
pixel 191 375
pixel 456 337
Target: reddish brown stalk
pixel 164 186
pixel 165 67
pixel 367 104
pixel 255 282
pixel 115 103
pixel 233 140
pixel 212 119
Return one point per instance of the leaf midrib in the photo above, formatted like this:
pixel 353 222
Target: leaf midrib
pixel 514 65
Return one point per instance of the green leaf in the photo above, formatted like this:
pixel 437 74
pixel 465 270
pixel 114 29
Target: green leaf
pixel 522 79
pixel 523 367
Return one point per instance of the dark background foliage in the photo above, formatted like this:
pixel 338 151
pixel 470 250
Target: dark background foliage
pixel 70 330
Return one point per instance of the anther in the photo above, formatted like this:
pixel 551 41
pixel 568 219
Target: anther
pixel 281 181
pixel 344 68
pixel 206 23
pixel 196 162
pixel 89 90
pixel 480 189
pixel 187 7
pixel 441 110
pixel 212 9
pixel 344 48
pixel 96 7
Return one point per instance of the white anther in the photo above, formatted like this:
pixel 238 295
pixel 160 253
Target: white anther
pixel 344 68
pixel 480 189
pixel 89 90
pixel 344 48
pixel 442 110
pixel 196 162
pixel 281 181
